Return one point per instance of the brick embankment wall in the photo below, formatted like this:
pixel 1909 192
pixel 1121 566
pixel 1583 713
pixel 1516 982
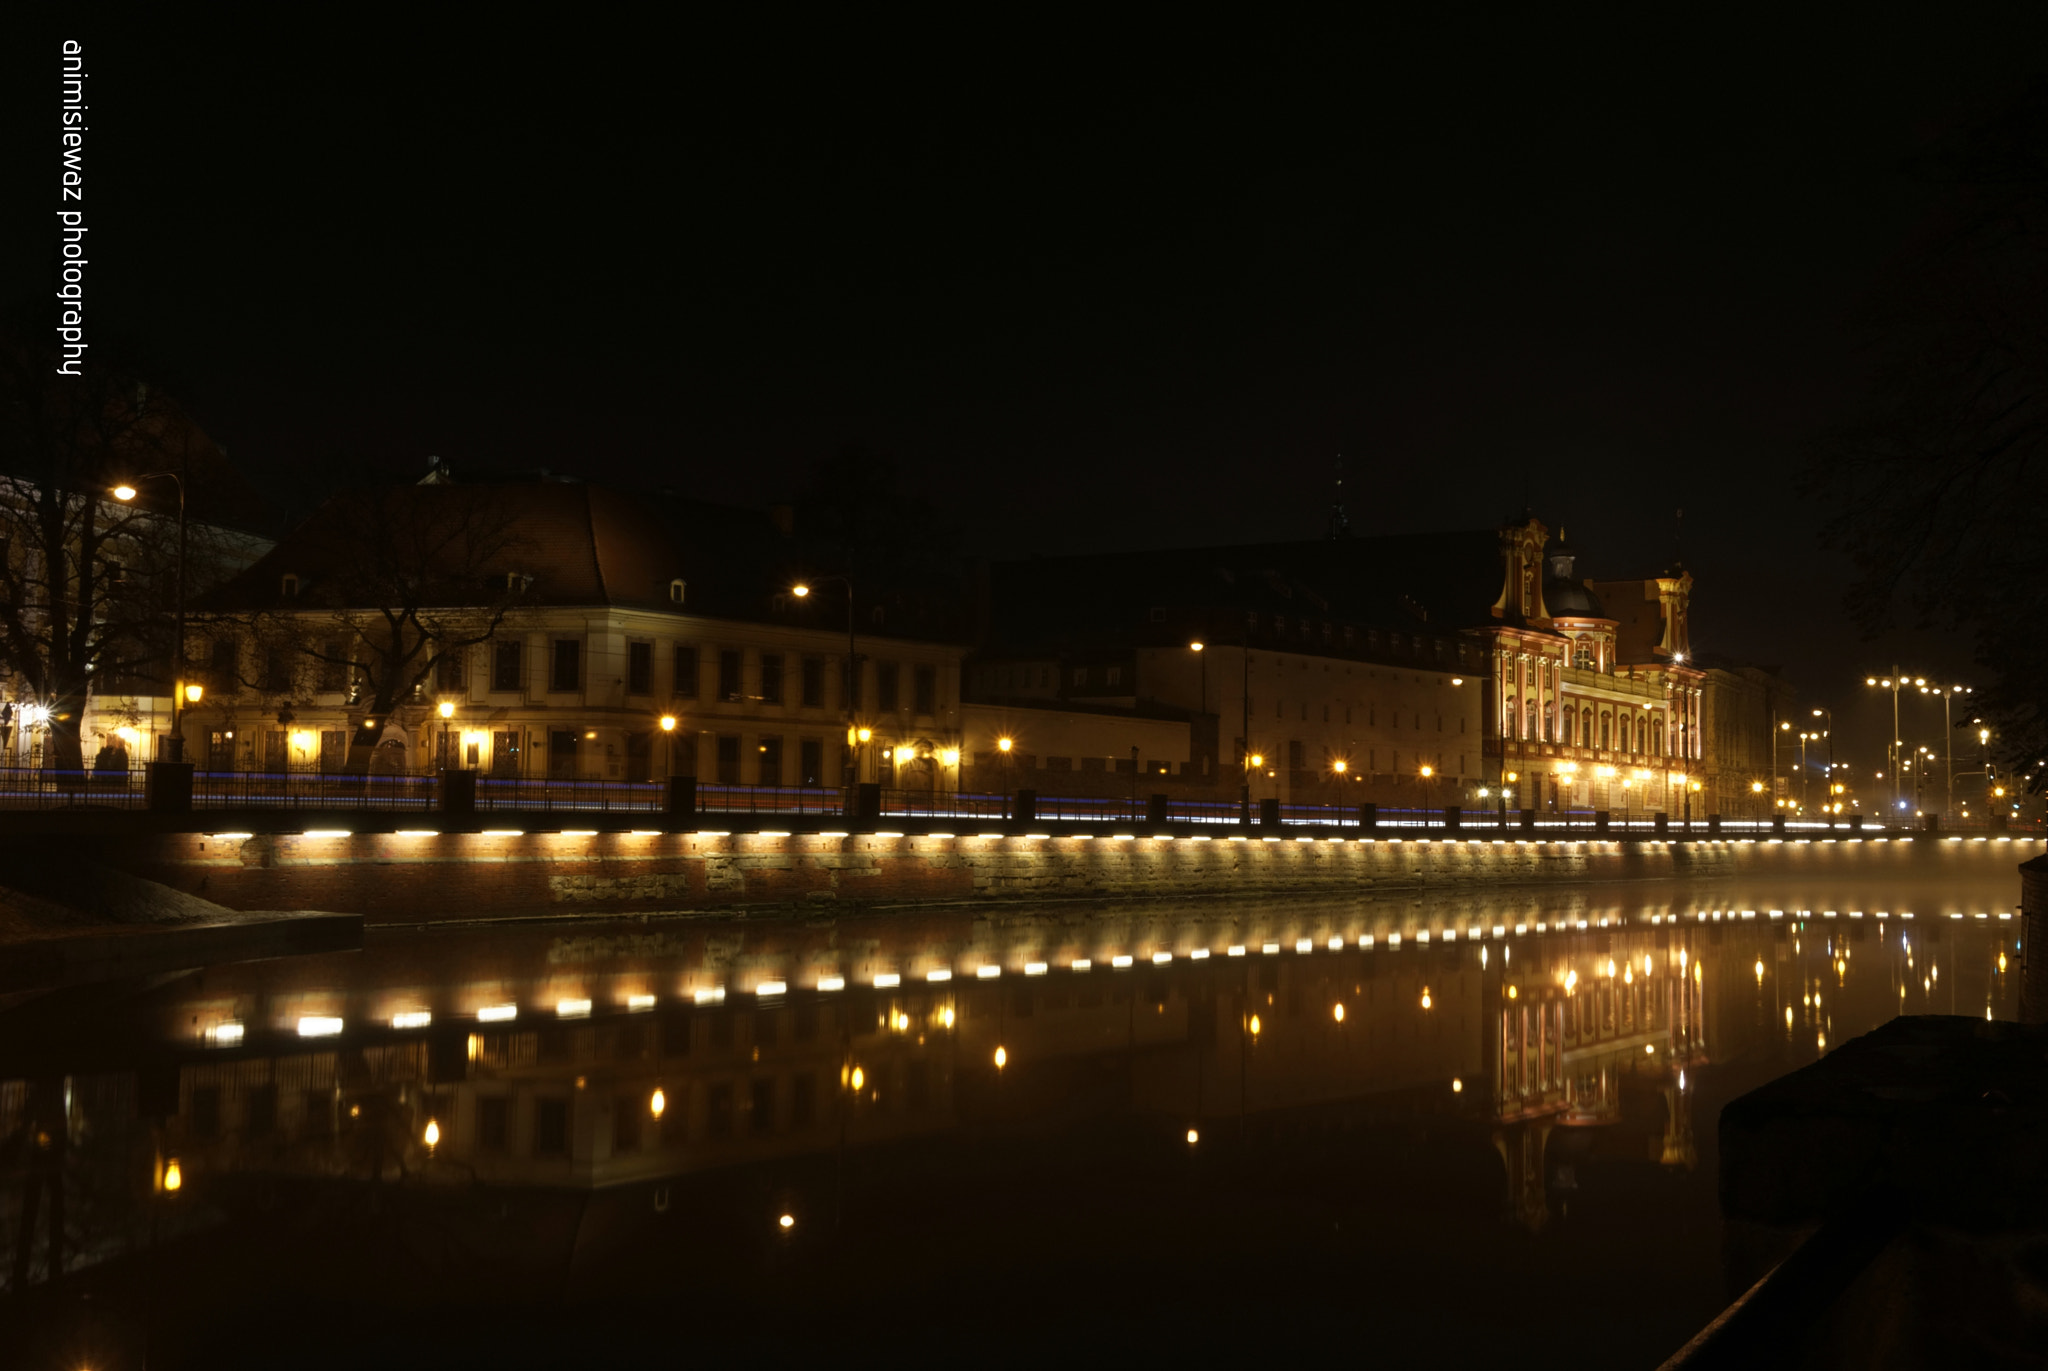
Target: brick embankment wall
pixel 404 878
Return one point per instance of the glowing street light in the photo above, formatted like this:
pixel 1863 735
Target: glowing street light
pixel 175 744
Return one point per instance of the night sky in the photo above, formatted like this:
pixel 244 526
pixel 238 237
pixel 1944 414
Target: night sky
pixel 1093 288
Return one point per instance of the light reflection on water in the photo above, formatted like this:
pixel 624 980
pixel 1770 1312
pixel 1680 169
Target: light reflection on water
pixel 1497 1070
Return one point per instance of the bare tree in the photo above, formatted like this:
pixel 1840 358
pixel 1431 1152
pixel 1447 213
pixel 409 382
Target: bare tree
pixel 86 582
pixel 1940 484
pixel 379 589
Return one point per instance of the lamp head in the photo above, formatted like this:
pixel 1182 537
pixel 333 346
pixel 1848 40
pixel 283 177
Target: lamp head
pixel 124 492
pixel 799 590
pixel 193 692
pixel 447 709
pixel 1196 646
pixel 1004 744
pixel 668 723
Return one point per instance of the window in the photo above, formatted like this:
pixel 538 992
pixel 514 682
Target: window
pixel 771 677
pixel 924 689
pixel 334 665
pixel 729 674
pixel 562 753
pixel 685 684
pixel 550 1128
pixel 813 683
pixel 505 664
pixel 1114 676
pixel 226 673
pixel 1080 675
pixel 627 1111
pixel 277 670
pixel 505 753
pixel 887 678
pixel 568 672
pixel 771 761
pixel 728 759
pixel 675 591
pixel 810 762
pixel 761 1119
pixel 493 1123
pixel 640 668
pixel 289 585
pixel 849 694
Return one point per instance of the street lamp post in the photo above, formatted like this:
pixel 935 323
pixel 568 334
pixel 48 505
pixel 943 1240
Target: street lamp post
pixel 1244 698
pixel 447 712
pixel 1003 746
pixel 668 733
pixel 1892 683
pixel 852 768
pixel 175 744
pixel 1948 731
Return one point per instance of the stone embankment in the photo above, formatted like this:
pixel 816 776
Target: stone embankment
pixel 425 876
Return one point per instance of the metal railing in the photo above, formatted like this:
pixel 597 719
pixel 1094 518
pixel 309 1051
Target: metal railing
pixel 25 788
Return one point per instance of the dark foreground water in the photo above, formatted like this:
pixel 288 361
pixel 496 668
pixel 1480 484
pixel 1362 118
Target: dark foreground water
pixel 1454 1131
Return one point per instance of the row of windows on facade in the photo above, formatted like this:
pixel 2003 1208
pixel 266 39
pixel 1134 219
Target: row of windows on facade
pixel 1621 733
pixel 1331 635
pixel 566 673
pixel 1416 718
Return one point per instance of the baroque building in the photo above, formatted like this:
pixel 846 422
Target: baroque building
pixel 1471 668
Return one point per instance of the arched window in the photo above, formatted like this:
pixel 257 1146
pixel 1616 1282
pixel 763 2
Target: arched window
pixel 1508 718
pixel 1586 727
pixel 1550 723
pixel 1530 720
pixel 1657 735
pixel 1606 727
pixel 1642 734
pixel 1582 655
pixel 1621 733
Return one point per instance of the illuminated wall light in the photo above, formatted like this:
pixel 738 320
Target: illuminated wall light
pixel 1270 949
pixel 887 980
pixel 432 1135
pixel 711 995
pixel 1200 954
pixel 1161 958
pixel 577 833
pixel 940 975
pixel 572 1009
pixel 636 1003
pixel 1457 1086
pixel 174 1175
pixel 767 989
pixel 1002 1058
pixel 497 1013
pixel 1234 950
pixel 236 837
pixel 1035 968
pixel 1194 1136
pixel 1304 945
pixel 418 833
pixel 225 1034
pixel 831 982
pixel 504 833
pixel 1121 959
pixel 412 1018
pixel 327 833
pixel 987 972
pixel 1336 944
pixel 1337 1011
pixel 787 1222
pixel 319 1026
pixel 1080 964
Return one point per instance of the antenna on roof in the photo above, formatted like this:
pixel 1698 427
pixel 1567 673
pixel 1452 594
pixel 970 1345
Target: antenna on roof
pixel 1340 527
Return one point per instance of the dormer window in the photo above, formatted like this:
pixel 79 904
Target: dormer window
pixel 289 586
pixel 675 591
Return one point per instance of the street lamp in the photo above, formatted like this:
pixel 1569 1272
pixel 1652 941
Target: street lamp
pixel 1892 683
pixel 1948 694
pixel 668 731
pixel 447 713
pixel 175 743
pixel 1004 746
pixel 1197 647
pixel 852 769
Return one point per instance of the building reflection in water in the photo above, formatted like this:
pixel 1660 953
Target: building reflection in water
pixel 621 1060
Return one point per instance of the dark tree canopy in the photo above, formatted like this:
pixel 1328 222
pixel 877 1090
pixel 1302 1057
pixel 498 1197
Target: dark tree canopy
pixel 1939 488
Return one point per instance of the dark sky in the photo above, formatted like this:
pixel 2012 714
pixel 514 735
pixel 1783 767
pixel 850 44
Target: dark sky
pixel 1095 288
